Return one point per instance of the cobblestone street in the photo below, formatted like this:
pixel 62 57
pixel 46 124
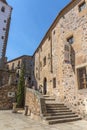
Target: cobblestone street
pixel 10 121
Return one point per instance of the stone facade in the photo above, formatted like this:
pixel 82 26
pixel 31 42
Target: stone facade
pixel 5 15
pixel 7 96
pixel 4 75
pixel 16 64
pixel 60 59
pixel 59 64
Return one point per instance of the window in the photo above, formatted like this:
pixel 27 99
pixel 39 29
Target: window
pixel 44 61
pixel 12 66
pixel 54 32
pixel 49 38
pixel 82 77
pixel 18 63
pixel 29 78
pixel 67 53
pixel 49 56
pixel 40 65
pixel 66 48
pixel 70 40
pixel 4 21
pixel 3 9
pixel 2 37
pixel 54 82
pixel 82 6
pixel 7 66
pixel 4 29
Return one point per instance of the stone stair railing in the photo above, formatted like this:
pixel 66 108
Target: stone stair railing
pixel 35 102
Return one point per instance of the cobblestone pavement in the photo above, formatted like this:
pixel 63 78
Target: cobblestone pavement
pixel 10 121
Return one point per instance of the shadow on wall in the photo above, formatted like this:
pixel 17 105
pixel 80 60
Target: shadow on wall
pixel 72 58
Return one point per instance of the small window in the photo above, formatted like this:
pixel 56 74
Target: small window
pixel 40 65
pixel 2 37
pixel 82 6
pixel 67 53
pixel 3 9
pixel 49 56
pixel 29 78
pixel 18 63
pixel 66 48
pixel 44 61
pixel 54 32
pixel 70 40
pixel 54 82
pixel 49 38
pixel 4 29
pixel 4 21
pixel 12 66
pixel 82 78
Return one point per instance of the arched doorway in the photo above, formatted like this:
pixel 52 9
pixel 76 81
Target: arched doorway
pixel 44 86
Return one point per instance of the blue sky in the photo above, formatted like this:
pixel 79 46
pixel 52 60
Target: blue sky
pixel 30 21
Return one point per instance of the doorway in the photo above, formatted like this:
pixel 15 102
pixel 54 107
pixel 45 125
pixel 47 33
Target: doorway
pixel 45 86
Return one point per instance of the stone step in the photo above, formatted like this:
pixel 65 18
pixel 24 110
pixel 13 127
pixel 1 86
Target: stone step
pixel 56 111
pixel 55 108
pixel 49 99
pixel 63 120
pixel 58 114
pixel 54 104
pixel 46 96
pixel 60 117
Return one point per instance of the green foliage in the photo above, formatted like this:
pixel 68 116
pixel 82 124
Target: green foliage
pixel 21 89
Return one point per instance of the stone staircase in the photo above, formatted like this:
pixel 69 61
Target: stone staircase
pixel 58 112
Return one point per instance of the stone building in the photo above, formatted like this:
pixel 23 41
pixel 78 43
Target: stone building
pixel 5 17
pixel 16 65
pixel 60 61
pixel 59 64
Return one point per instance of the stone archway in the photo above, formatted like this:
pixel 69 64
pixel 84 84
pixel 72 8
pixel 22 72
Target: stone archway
pixel 45 86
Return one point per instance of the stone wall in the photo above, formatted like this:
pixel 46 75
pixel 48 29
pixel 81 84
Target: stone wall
pixel 74 23
pixel 35 102
pixel 4 76
pixel 70 22
pixel 7 96
pixel 16 65
pixel 5 16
